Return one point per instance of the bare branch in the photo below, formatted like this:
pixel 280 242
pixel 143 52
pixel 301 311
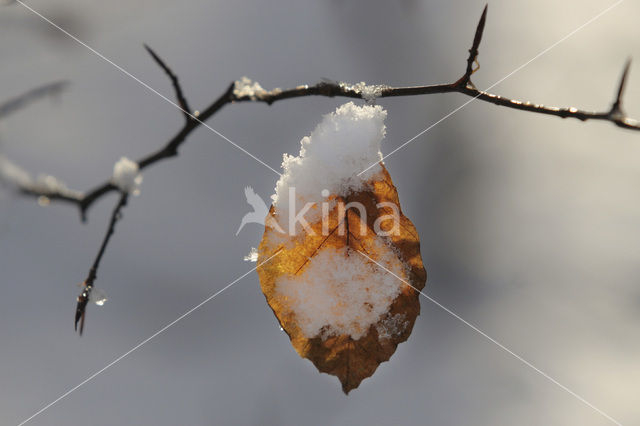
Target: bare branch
pixel 88 283
pixel 473 52
pixel 182 101
pixel 44 187
pixel 333 89
pixel 617 105
pixel 16 104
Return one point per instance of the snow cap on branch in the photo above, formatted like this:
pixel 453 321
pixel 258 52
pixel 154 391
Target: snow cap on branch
pixel 126 176
pixel 245 87
pixel 16 177
pixel 369 92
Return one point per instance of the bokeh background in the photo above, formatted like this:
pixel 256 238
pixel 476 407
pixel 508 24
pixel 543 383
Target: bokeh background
pixel 530 225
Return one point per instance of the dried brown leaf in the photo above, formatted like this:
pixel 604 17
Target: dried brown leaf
pixel 349 359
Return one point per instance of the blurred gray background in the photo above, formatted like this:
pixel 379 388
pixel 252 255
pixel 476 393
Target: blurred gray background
pixel 530 225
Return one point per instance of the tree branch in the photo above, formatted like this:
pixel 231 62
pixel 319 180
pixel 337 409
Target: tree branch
pixel 245 90
pixel 182 101
pixel 16 104
pixel 88 283
pixel 474 52
pixel 464 86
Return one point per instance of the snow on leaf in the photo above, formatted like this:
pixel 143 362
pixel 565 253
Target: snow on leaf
pixel 346 142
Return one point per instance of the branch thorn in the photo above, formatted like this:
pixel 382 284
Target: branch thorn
pixel 473 52
pixel 465 80
pixel 182 101
pixel 617 106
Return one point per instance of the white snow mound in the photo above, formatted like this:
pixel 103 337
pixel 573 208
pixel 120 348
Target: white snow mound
pixel 344 144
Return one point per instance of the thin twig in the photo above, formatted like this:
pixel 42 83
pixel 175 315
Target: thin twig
pixel 88 283
pixel 474 52
pixel 182 101
pixel 617 105
pixel 16 104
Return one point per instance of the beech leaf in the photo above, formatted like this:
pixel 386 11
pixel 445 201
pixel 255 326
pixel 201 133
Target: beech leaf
pixel 342 311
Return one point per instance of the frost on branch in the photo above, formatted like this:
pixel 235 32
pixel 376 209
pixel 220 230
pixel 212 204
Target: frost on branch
pixel 17 178
pixel 342 311
pixel 245 87
pixel 12 174
pixel 126 176
pixel 369 92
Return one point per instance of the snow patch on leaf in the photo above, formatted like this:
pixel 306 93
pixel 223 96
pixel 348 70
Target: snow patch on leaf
pixel 341 293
